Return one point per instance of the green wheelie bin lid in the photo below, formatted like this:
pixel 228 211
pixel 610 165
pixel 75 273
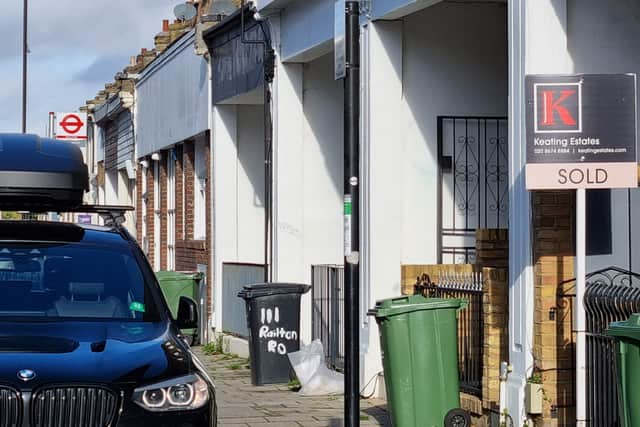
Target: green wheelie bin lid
pixel 410 303
pixel 629 328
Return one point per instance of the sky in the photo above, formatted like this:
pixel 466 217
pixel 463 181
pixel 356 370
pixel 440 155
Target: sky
pixel 76 46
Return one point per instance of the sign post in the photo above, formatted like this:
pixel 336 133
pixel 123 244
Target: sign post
pixel 581 133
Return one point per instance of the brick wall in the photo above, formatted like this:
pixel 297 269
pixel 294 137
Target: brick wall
pixel 188 156
pixel 150 212
pixel 553 255
pixel 190 253
pixel 492 255
pixel 492 248
pixel 179 194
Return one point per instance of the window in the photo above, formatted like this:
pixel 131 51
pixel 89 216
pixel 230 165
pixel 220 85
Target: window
pixel 145 210
pixel 599 238
pixel 72 280
pixel 171 210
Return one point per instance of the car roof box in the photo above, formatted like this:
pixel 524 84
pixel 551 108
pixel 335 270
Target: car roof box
pixel 40 174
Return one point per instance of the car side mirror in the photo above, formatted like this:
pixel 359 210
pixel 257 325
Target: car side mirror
pixel 187 313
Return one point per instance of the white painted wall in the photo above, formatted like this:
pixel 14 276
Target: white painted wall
pixel 199 189
pixel 537 45
pixel 238 172
pixel 445 71
pixel 125 198
pixel 111 187
pixel 308 170
pixel 604 37
pixel 250 187
pixel 381 159
pixel 322 164
pixel 225 218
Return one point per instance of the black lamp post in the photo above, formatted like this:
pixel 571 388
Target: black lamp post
pixel 25 50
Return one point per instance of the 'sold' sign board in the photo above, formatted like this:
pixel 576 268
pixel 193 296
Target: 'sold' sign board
pixel 581 131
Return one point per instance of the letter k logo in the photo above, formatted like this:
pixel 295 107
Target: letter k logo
pixel 554 105
pixel 558 107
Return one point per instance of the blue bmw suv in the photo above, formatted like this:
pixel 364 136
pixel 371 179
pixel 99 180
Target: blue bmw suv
pixel 86 337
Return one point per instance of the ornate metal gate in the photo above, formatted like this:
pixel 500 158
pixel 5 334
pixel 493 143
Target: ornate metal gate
pixel 473 188
pixel 611 295
pixel 327 292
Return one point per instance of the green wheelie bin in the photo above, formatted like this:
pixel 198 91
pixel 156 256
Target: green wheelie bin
pixel 175 285
pixel 627 334
pixel 419 344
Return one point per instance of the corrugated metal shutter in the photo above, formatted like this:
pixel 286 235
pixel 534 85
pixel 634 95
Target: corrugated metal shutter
pixel 111 147
pixel 234 278
pixel 125 138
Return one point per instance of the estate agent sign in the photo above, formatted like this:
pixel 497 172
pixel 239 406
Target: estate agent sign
pixel 581 131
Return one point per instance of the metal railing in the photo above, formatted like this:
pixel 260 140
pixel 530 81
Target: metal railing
pixel 327 292
pixel 467 286
pixel 611 295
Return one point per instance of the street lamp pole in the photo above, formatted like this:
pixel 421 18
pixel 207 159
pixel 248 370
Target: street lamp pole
pixel 24 66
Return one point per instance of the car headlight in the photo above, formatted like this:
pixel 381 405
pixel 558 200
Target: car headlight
pixel 178 394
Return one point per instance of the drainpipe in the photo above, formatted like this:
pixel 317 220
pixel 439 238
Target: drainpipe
pixel 268 63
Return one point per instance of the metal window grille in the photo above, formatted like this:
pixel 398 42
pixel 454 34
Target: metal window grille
pixel 473 189
pixel 327 292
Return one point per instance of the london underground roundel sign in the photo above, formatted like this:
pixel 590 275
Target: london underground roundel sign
pixel 71 126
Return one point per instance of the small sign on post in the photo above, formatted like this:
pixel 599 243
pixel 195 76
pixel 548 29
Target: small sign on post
pixel 71 126
pixel 581 131
pixel 339 40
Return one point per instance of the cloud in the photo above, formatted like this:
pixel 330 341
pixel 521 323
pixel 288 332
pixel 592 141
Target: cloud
pixel 76 47
pixel 100 70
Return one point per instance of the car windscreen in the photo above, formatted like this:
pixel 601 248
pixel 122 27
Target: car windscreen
pixel 46 281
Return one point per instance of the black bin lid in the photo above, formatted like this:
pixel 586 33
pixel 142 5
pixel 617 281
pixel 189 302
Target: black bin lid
pixel 267 289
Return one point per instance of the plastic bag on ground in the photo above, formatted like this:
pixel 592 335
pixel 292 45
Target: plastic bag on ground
pixel 314 376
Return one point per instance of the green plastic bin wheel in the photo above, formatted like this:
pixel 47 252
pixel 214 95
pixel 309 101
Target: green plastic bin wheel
pixel 457 418
pixel 175 285
pixel 627 334
pixel 419 341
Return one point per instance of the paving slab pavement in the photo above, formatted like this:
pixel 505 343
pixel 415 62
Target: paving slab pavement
pixel 241 404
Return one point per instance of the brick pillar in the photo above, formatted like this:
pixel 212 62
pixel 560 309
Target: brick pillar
pixel 495 303
pixel 553 252
pixel 492 248
pixel 188 156
pixel 138 204
pixel 163 210
pixel 179 195
pixel 150 212
pixel 492 256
